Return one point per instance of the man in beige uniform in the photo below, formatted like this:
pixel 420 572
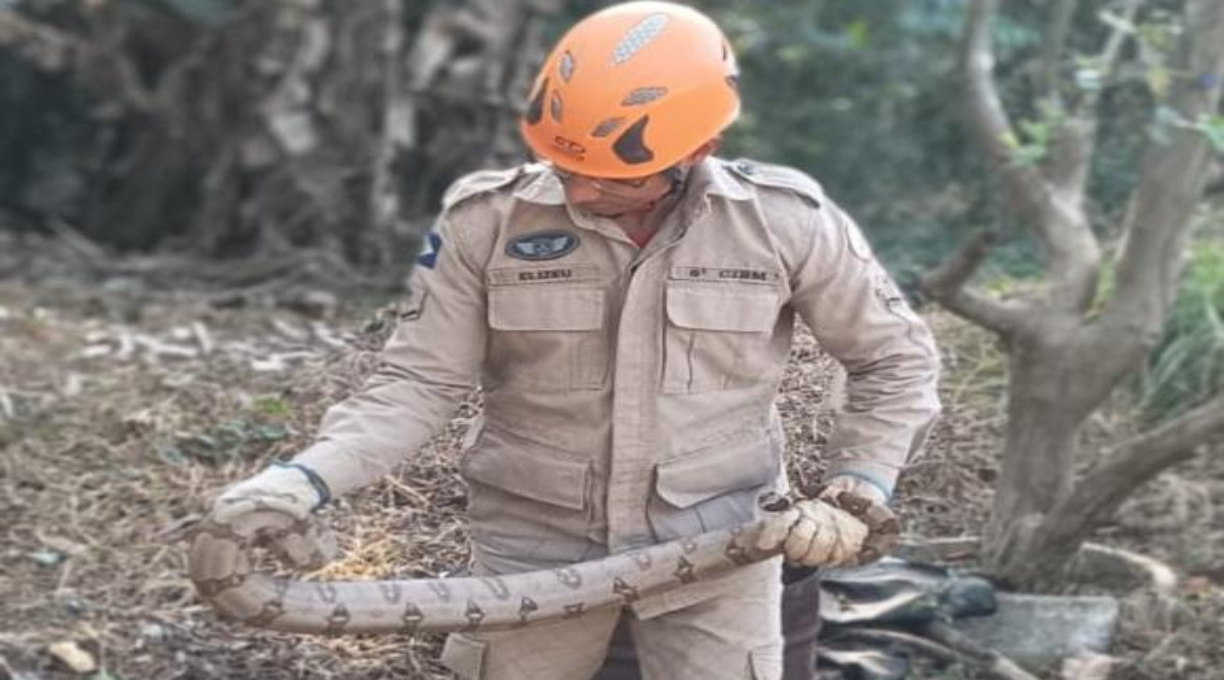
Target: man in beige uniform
pixel 628 308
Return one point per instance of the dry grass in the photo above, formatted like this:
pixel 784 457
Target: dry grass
pixel 123 409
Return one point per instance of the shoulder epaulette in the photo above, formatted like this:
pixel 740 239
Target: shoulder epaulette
pixel 779 177
pixel 478 183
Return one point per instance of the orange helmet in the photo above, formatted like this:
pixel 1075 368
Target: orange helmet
pixel 631 90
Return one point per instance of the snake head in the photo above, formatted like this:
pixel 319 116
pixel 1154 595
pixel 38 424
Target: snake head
pixel 299 539
pixel 883 526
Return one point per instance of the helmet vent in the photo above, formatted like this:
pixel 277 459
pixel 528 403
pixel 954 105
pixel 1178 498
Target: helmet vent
pixel 567 67
pixel 644 95
pixel 631 147
pixel 607 127
pixel 535 109
pixel 556 107
pixel 639 37
pixel 733 82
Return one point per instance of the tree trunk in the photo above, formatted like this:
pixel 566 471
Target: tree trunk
pixel 1051 393
pixel 1065 356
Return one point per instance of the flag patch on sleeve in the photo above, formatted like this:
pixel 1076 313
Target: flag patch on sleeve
pixel 429 254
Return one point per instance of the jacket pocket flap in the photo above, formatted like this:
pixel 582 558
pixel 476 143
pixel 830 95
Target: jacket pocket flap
pixel 545 309
pixel 525 468
pixel 713 471
pixel 721 309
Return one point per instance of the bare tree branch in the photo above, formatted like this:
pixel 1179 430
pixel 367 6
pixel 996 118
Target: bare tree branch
pixel 1174 172
pixel 993 664
pixel 1071 150
pixel 989 119
pixel 1107 61
pixel 107 73
pixel 397 124
pixel 51 50
pixel 949 285
pixel 1057 29
pixel 1053 211
pixel 1132 464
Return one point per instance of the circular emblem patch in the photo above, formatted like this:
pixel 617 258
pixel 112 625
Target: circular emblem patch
pixel 543 245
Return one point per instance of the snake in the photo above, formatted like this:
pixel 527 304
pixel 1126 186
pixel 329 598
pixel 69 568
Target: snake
pixel 222 556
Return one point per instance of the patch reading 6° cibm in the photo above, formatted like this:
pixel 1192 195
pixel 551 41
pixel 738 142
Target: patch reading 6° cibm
pixel 543 245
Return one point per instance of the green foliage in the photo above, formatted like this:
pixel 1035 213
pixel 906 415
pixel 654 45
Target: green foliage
pixel 244 436
pixel 1187 367
pixel 866 98
pixel 1213 127
pixel 1157 38
pixel 1038 134
pixel 854 95
pixel 272 406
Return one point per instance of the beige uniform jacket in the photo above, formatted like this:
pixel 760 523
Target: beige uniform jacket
pixel 628 391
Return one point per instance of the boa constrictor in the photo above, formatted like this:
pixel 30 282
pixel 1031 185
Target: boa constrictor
pixel 221 568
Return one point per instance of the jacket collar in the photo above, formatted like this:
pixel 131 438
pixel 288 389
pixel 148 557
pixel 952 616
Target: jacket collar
pixel 712 177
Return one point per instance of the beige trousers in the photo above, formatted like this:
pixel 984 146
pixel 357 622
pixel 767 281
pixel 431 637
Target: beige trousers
pixel 734 636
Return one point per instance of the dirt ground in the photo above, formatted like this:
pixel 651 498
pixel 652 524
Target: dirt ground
pixel 130 395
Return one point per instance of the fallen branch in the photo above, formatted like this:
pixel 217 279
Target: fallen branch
pixel 990 661
pixel 946 645
pixel 883 637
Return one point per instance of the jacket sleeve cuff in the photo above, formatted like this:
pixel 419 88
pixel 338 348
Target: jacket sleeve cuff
pixel 883 477
pixel 321 491
pixel 340 470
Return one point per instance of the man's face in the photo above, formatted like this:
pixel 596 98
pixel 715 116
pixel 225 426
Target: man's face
pixel 614 197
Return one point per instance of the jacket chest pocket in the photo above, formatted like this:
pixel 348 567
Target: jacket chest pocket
pixel 719 336
pixel 548 336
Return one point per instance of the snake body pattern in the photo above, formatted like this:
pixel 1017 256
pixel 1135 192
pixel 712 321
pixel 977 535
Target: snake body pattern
pixel 220 565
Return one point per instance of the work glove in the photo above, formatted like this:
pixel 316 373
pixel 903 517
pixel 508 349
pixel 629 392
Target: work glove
pixel 289 489
pixel 814 533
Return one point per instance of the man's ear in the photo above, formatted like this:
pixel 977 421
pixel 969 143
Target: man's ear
pixel 703 152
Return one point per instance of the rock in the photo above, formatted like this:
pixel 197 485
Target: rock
pixel 73 657
pixel 153 632
pixel 315 304
pixel 1087 666
pixel 1038 631
pixel 75 607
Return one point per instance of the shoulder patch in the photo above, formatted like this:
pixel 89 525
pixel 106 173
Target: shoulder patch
pixel 478 183
pixel 779 177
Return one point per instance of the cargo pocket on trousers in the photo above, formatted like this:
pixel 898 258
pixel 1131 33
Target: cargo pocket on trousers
pixel 465 656
pixel 765 663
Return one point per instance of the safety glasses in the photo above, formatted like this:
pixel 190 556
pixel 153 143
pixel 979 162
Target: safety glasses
pixel 630 188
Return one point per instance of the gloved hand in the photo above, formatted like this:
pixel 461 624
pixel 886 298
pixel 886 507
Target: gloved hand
pixel 813 533
pixel 282 488
pixel 273 509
